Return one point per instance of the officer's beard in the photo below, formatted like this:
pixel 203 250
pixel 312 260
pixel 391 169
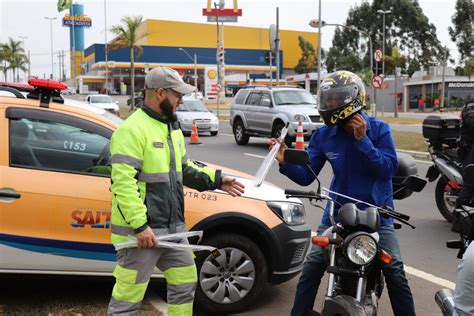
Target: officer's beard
pixel 167 110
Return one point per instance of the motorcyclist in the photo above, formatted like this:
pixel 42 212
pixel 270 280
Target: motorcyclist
pixel 464 291
pixel 362 155
pixel 466 151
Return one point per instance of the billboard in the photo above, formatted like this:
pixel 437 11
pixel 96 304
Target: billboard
pixel 77 20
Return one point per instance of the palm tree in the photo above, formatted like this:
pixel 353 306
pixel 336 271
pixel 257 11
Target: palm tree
pixel 127 36
pixel 3 61
pixel 14 54
pixel 20 62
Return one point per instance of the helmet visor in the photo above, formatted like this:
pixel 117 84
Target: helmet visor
pixel 332 98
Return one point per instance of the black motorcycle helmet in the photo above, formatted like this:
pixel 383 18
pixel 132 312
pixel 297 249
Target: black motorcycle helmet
pixel 341 94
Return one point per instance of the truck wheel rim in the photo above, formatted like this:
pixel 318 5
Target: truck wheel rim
pixel 228 278
pixel 238 132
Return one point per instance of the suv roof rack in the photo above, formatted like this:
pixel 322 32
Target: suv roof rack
pixel 271 87
pixel 13 91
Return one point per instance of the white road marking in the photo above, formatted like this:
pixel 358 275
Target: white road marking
pixel 223 134
pixel 423 275
pixel 255 156
pixel 430 277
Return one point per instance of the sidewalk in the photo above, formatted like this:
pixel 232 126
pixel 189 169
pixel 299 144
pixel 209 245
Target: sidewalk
pixel 421 115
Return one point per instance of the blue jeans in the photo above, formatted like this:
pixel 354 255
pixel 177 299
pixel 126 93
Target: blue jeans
pixel 397 284
pixel 464 292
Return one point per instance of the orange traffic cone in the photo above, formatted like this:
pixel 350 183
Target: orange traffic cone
pixel 299 137
pixel 194 140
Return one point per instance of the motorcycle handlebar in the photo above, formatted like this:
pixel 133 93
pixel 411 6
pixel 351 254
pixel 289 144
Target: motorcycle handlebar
pixel 298 192
pixel 400 215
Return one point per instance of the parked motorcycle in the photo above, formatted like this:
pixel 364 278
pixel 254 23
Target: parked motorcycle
pixel 441 134
pixel 355 281
pixel 444 297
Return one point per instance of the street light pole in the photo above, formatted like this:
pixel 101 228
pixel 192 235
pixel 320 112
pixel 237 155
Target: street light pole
pixel 443 76
pixel 319 46
pixel 320 24
pixel 51 30
pixel 195 65
pixel 383 12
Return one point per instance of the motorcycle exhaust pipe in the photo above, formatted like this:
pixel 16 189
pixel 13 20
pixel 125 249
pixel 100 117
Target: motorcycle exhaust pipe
pixel 449 171
pixel 444 299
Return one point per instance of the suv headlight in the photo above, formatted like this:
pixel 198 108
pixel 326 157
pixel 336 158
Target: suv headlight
pixel 361 249
pixel 300 117
pixel 185 120
pixel 290 213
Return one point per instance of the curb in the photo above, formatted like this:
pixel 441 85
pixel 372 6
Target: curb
pixel 415 154
pixel 405 123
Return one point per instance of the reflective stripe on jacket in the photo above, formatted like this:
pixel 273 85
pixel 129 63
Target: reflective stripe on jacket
pixel 149 168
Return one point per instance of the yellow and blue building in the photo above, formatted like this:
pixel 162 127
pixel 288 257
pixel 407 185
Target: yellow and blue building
pixel 245 50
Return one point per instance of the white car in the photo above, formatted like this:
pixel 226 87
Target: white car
pixel 195 109
pixel 195 95
pixel 103 101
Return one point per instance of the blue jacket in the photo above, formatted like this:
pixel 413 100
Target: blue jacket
pixel 362 169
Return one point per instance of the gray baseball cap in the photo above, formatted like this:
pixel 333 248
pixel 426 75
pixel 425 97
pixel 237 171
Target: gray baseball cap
pixel 167 78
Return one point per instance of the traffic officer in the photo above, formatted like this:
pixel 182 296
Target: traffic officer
pixel 149 168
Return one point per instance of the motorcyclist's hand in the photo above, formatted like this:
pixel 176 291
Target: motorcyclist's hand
pixel 280 156
pixel 232 186
pixel 359 125
pixel 146 239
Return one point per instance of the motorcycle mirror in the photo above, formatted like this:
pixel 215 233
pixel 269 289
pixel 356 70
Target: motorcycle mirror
pixel 297 157
pixel 414 183
pixel 469 174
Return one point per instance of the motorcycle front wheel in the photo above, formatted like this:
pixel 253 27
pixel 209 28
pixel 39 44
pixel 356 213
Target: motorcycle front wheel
pixel 446 197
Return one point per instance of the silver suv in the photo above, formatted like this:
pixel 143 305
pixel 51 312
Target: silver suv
pixel 263 111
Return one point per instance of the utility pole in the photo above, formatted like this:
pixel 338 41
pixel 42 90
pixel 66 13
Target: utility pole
pixel 60 66
pixel 51 30
pixel 220 55
pixel 319 45
pixel 277 44
pixel 24 48
pixel 443 83
pixel 271 72
pixel 106 53
pixel 64 67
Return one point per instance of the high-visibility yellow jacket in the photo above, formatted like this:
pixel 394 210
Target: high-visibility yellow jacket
pixel 149 169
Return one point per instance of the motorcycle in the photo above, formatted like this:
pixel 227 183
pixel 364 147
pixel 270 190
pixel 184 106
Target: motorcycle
pixel 444 297
pixel 441 134
pixel 355 280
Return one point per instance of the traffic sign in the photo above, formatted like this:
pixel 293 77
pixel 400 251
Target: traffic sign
pixel 378 55
pixel 377 81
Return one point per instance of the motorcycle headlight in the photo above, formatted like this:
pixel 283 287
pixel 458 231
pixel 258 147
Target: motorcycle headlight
pixel 361 249
pixel 300 117
pixel 290 213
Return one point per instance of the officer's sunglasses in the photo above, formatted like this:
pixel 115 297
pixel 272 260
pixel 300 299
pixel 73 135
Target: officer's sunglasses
pixel 178 95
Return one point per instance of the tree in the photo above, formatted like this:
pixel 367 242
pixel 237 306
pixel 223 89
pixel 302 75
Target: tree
pixel 405 29
pixel 394 60
pixel 462 33
pixel 308 61
pixel 14 55
pixel 127 36
pixel 3 61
